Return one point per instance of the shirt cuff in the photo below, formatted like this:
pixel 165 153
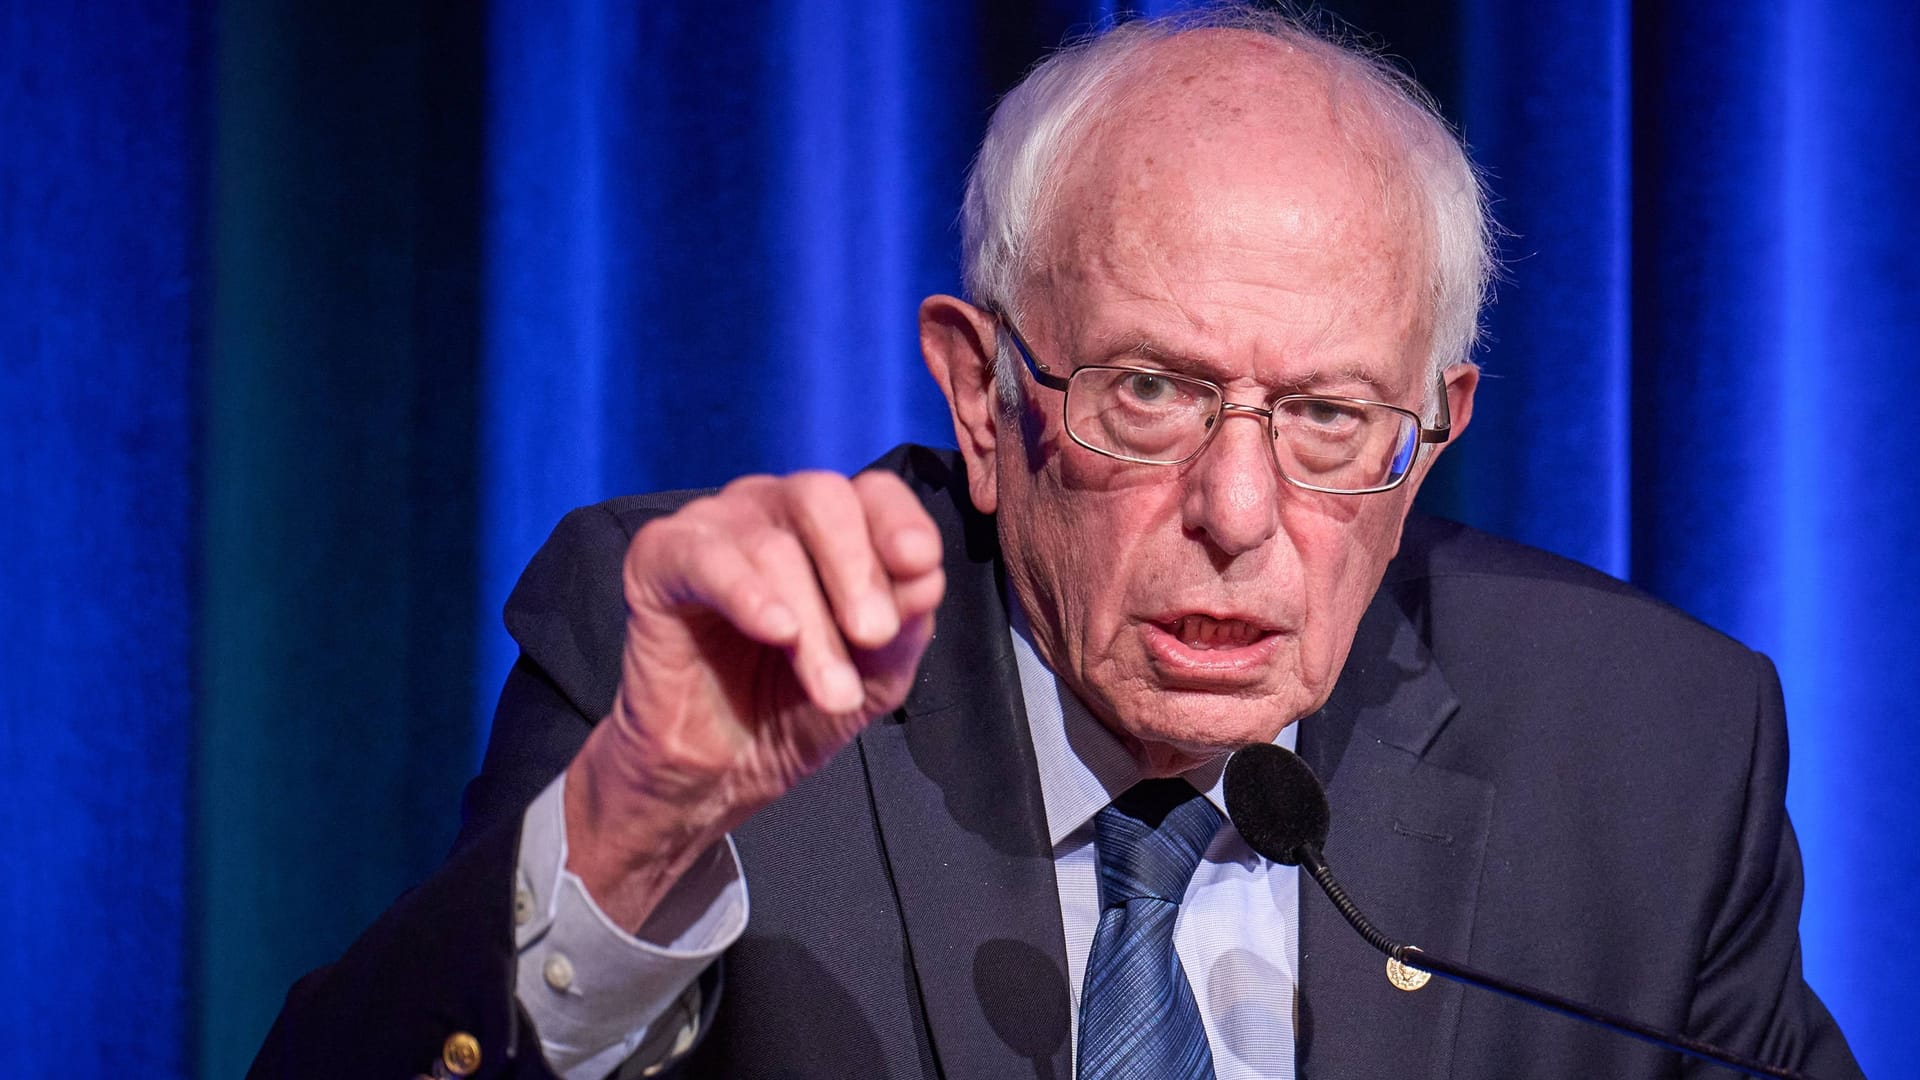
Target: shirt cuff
pixel 597 994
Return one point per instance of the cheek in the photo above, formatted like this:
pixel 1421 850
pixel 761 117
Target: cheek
pixel 1081 540
pixel 1343 555
pixel 1094 547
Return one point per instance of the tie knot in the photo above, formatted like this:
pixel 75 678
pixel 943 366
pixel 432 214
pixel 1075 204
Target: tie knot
pixel 1150 840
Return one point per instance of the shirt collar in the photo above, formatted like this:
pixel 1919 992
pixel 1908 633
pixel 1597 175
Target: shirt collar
pixel 1083 766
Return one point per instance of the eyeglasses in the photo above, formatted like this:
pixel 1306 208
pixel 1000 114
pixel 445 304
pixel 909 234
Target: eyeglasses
pixel 1339 445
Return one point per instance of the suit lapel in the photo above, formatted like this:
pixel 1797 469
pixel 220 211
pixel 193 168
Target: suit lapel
pixel 956 795
pixel 957 799
pixel 1407 843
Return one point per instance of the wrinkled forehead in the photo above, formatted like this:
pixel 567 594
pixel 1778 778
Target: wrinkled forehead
pixel 1223 140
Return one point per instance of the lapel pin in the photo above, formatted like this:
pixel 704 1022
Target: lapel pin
pixel 1404 977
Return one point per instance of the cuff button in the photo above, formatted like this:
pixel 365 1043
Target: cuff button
pixel 559 973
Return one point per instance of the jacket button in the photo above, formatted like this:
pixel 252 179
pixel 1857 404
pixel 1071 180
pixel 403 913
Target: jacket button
pixel 461 1054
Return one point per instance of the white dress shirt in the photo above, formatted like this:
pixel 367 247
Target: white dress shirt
pixel 1238 931
pixel 599 996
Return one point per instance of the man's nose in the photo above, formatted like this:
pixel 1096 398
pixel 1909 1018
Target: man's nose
pixel 1233 490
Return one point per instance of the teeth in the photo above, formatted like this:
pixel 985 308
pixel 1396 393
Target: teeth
pixel 1204 632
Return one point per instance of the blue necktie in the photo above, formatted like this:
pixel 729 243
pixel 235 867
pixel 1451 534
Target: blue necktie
pixel 1138 1019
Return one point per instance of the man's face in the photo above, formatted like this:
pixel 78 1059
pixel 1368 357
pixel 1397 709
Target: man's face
pixel 1200 607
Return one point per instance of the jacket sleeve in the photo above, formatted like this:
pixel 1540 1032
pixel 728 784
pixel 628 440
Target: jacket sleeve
pixel 1750 992
pixel 440 961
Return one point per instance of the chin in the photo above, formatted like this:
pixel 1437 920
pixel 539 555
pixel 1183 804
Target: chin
pixel 1181 730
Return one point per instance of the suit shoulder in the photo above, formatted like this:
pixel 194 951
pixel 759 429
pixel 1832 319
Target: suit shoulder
pixel 567 612
pixel 1434 547
pixel 633 511
pixel 1463 573
pixel 1562 671
pixel 585 548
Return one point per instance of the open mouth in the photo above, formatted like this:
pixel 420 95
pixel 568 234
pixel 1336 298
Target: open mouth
pixel 1213 653
pixel 1207 633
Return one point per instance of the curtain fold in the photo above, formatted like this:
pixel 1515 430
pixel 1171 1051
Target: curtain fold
pixel 340 400
pixel 1545 97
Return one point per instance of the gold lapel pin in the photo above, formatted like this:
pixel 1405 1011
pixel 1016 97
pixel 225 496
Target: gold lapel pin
pixel 1404 977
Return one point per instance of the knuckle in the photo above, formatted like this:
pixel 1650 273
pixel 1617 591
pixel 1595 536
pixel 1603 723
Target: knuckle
pixel 921 595
pixel 652 542
pixel 706 510
pixel 875 483
pixel 774 548
pixel 707 564
pixel 752 486
pixel 674 538
pixel 679 526
pixel 891 504
pixel 812 489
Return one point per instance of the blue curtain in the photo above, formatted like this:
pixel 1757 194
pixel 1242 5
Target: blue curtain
pixel 1700 380
pixel 315 316
pixel 103 169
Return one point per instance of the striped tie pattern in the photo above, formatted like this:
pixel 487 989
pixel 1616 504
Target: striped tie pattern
pixel 1138 1019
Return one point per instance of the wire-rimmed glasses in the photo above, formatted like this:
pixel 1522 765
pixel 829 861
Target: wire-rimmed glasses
pixel 1339 445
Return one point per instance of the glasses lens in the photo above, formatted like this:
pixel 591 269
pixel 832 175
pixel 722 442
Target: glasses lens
pixel 1139 414
pixel 1341 445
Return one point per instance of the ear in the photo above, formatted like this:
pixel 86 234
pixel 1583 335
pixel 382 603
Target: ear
pixel 958 341
pixel 1461 380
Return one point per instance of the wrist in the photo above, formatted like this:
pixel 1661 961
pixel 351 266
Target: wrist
pixel 627 846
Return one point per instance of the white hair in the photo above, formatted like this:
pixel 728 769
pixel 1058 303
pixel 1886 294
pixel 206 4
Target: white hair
pixel 1017 171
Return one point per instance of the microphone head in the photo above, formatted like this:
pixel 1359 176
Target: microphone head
pixel 1276 802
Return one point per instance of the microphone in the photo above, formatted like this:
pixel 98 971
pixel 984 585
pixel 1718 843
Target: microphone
pixel 1280 809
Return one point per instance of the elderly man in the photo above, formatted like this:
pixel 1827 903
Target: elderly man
pixel 956 725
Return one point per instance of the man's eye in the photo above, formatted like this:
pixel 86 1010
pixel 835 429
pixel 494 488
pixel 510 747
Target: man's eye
pixel 1148 389
pixel 1327 414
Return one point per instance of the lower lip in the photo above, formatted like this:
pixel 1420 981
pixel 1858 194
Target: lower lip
pixel 1223 668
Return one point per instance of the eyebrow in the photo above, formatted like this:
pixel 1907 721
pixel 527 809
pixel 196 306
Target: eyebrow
pixel 1177 362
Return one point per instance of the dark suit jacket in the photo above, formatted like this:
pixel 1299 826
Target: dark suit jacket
pixel 1533 768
